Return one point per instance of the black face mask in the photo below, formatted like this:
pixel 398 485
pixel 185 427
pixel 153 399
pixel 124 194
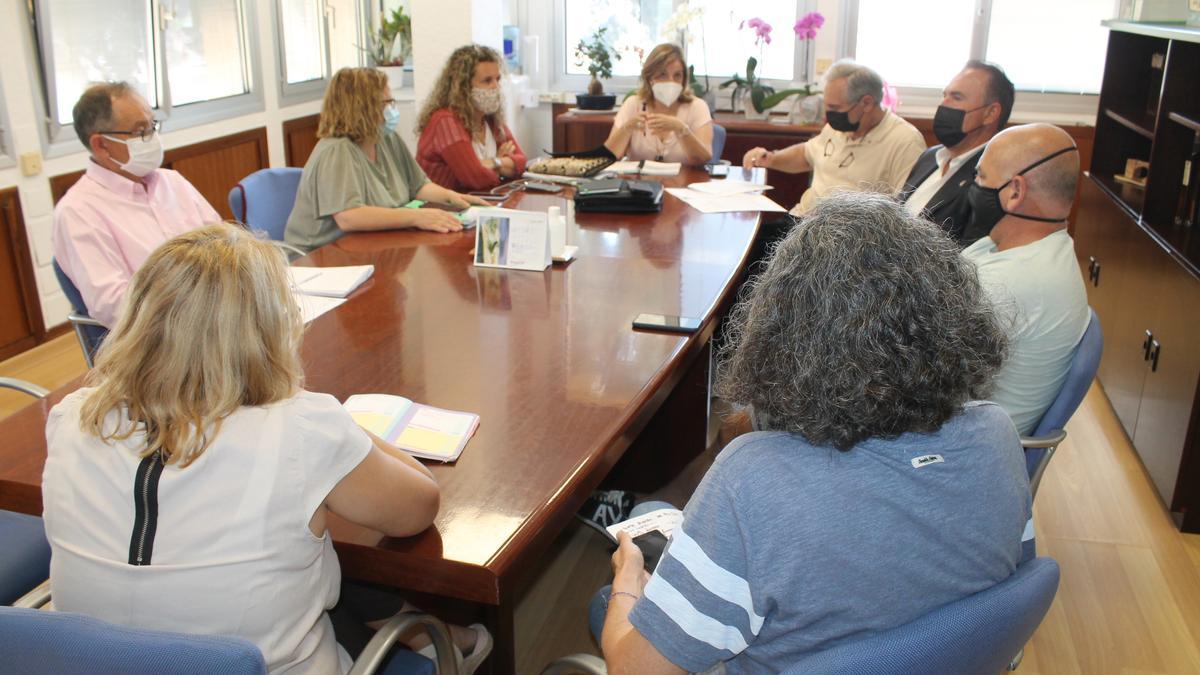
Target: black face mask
pixel 840 121
pixel 985 201
pixel 947 125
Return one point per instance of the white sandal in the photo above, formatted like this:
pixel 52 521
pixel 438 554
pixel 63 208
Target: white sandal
pixel 470 663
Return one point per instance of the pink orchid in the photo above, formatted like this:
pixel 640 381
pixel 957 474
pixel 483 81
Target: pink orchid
pixel 762 30
pixel 806 27
pixel 891 97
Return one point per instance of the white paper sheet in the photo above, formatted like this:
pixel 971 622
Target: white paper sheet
pixel 312 306
pixel 706 203
pixel 331 282
pixel 723 188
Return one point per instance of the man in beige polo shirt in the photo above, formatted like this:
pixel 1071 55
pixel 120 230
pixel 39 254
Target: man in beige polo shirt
pixel 863 146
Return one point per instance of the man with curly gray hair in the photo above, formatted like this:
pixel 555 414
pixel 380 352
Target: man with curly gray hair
pixel 876 487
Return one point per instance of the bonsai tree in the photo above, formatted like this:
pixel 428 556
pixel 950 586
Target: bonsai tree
pixel 598 55
pixel 382 44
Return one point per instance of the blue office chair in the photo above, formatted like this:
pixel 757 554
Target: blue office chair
pixel 718 143
pixel 25 554
pixel 1050 431
pixel 34 641
pixel 25 557
pixel 978 634
pixel 88 331
pixel 264 199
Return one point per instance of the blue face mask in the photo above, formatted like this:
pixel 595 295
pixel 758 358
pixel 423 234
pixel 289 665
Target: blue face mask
pixel 391 118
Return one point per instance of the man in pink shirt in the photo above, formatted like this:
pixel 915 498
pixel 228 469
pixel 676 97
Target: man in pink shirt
pixel 124 206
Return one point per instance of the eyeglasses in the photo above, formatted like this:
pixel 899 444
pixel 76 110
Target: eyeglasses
pixel 144 134
pixel 846 161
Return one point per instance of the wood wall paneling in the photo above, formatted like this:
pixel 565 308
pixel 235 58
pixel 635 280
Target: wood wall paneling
pixel 299 139
pixel 21 324
pixel 213 166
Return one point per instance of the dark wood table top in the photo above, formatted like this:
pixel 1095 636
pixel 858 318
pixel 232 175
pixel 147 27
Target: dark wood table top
pixel 548 360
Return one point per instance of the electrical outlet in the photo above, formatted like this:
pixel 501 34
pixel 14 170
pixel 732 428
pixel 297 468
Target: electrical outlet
pixel 823 65
pixel 31 163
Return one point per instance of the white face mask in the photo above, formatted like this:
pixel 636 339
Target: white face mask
pixel 486 101
pixel 144 156
pixel 666 93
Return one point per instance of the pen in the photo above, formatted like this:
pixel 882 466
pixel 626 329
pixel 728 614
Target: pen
pixel 641 164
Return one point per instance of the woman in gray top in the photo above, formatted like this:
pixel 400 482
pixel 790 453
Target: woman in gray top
pixel 876 489
pixel 361 173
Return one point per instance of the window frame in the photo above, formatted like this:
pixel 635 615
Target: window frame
pixel 308 90
pixel 58 136
pixel 563 81
pixel 8 150
pixel 1031 105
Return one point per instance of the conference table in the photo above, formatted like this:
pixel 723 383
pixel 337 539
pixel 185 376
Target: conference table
pixel 568 393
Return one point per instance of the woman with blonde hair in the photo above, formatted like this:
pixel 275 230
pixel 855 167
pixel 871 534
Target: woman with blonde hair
pixel 361 173
pixel 464 142
pixel 187 485
pixel 663 121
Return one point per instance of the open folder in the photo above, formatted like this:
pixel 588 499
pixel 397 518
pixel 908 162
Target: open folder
pixel 420 430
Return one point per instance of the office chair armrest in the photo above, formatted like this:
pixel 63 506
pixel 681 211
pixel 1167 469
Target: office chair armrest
pixel 23 386
pixel 84 320
pixel 292 251
pixel 375 653
pixel 38 598
pixel 1049 443
pixel 577 663
pixel 1050 440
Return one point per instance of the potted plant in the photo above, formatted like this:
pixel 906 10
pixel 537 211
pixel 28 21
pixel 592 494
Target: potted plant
pixel 757 97
pixel 598 55
pixel 390 45
pixel 679 28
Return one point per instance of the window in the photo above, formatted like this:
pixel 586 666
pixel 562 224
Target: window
pixel 190 59
pixel 635 26
pixel 1043 46
pixel 7 151
pixel 303 30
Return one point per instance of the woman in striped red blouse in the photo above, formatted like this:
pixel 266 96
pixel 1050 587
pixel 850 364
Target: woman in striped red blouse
pixel 464 143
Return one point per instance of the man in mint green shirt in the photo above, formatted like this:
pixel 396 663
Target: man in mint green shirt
pixel 1026 186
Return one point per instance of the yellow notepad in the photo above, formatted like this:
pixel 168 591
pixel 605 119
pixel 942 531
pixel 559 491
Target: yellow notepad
pixel 420 430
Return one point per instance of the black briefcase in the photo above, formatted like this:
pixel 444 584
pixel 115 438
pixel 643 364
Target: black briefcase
pixel 618 195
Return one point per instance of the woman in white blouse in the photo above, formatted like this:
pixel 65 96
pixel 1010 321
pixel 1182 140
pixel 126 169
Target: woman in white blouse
pixel 187 485
pixel 663 121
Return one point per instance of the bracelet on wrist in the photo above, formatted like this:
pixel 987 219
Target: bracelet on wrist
pixel 625 593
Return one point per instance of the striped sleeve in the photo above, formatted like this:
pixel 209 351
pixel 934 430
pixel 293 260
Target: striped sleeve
pixel 445 152
pixel 698 608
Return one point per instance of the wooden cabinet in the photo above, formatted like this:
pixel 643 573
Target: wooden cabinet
pixel 1140 263
pixel 20 310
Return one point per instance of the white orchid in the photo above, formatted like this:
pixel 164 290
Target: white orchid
pixel 680 22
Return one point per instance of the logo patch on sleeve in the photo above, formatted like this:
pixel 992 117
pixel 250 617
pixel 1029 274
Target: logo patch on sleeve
pixel 925 460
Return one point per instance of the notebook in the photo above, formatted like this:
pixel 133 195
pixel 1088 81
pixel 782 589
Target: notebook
pixel 420 430
pixel 330 282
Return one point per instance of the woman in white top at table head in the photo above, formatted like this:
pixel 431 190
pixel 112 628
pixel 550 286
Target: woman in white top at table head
pixel 663 121
pixel 187 485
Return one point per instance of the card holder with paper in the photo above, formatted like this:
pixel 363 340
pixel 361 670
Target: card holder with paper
pixel 512 239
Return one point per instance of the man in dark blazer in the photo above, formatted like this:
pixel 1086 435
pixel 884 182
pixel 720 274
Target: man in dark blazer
pixel 975 106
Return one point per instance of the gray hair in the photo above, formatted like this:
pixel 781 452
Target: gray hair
pixel 94 111
pixel 867 323
pixel 860 80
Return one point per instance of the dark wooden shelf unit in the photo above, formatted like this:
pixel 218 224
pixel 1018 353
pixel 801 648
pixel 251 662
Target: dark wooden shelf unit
pixel 1141 264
